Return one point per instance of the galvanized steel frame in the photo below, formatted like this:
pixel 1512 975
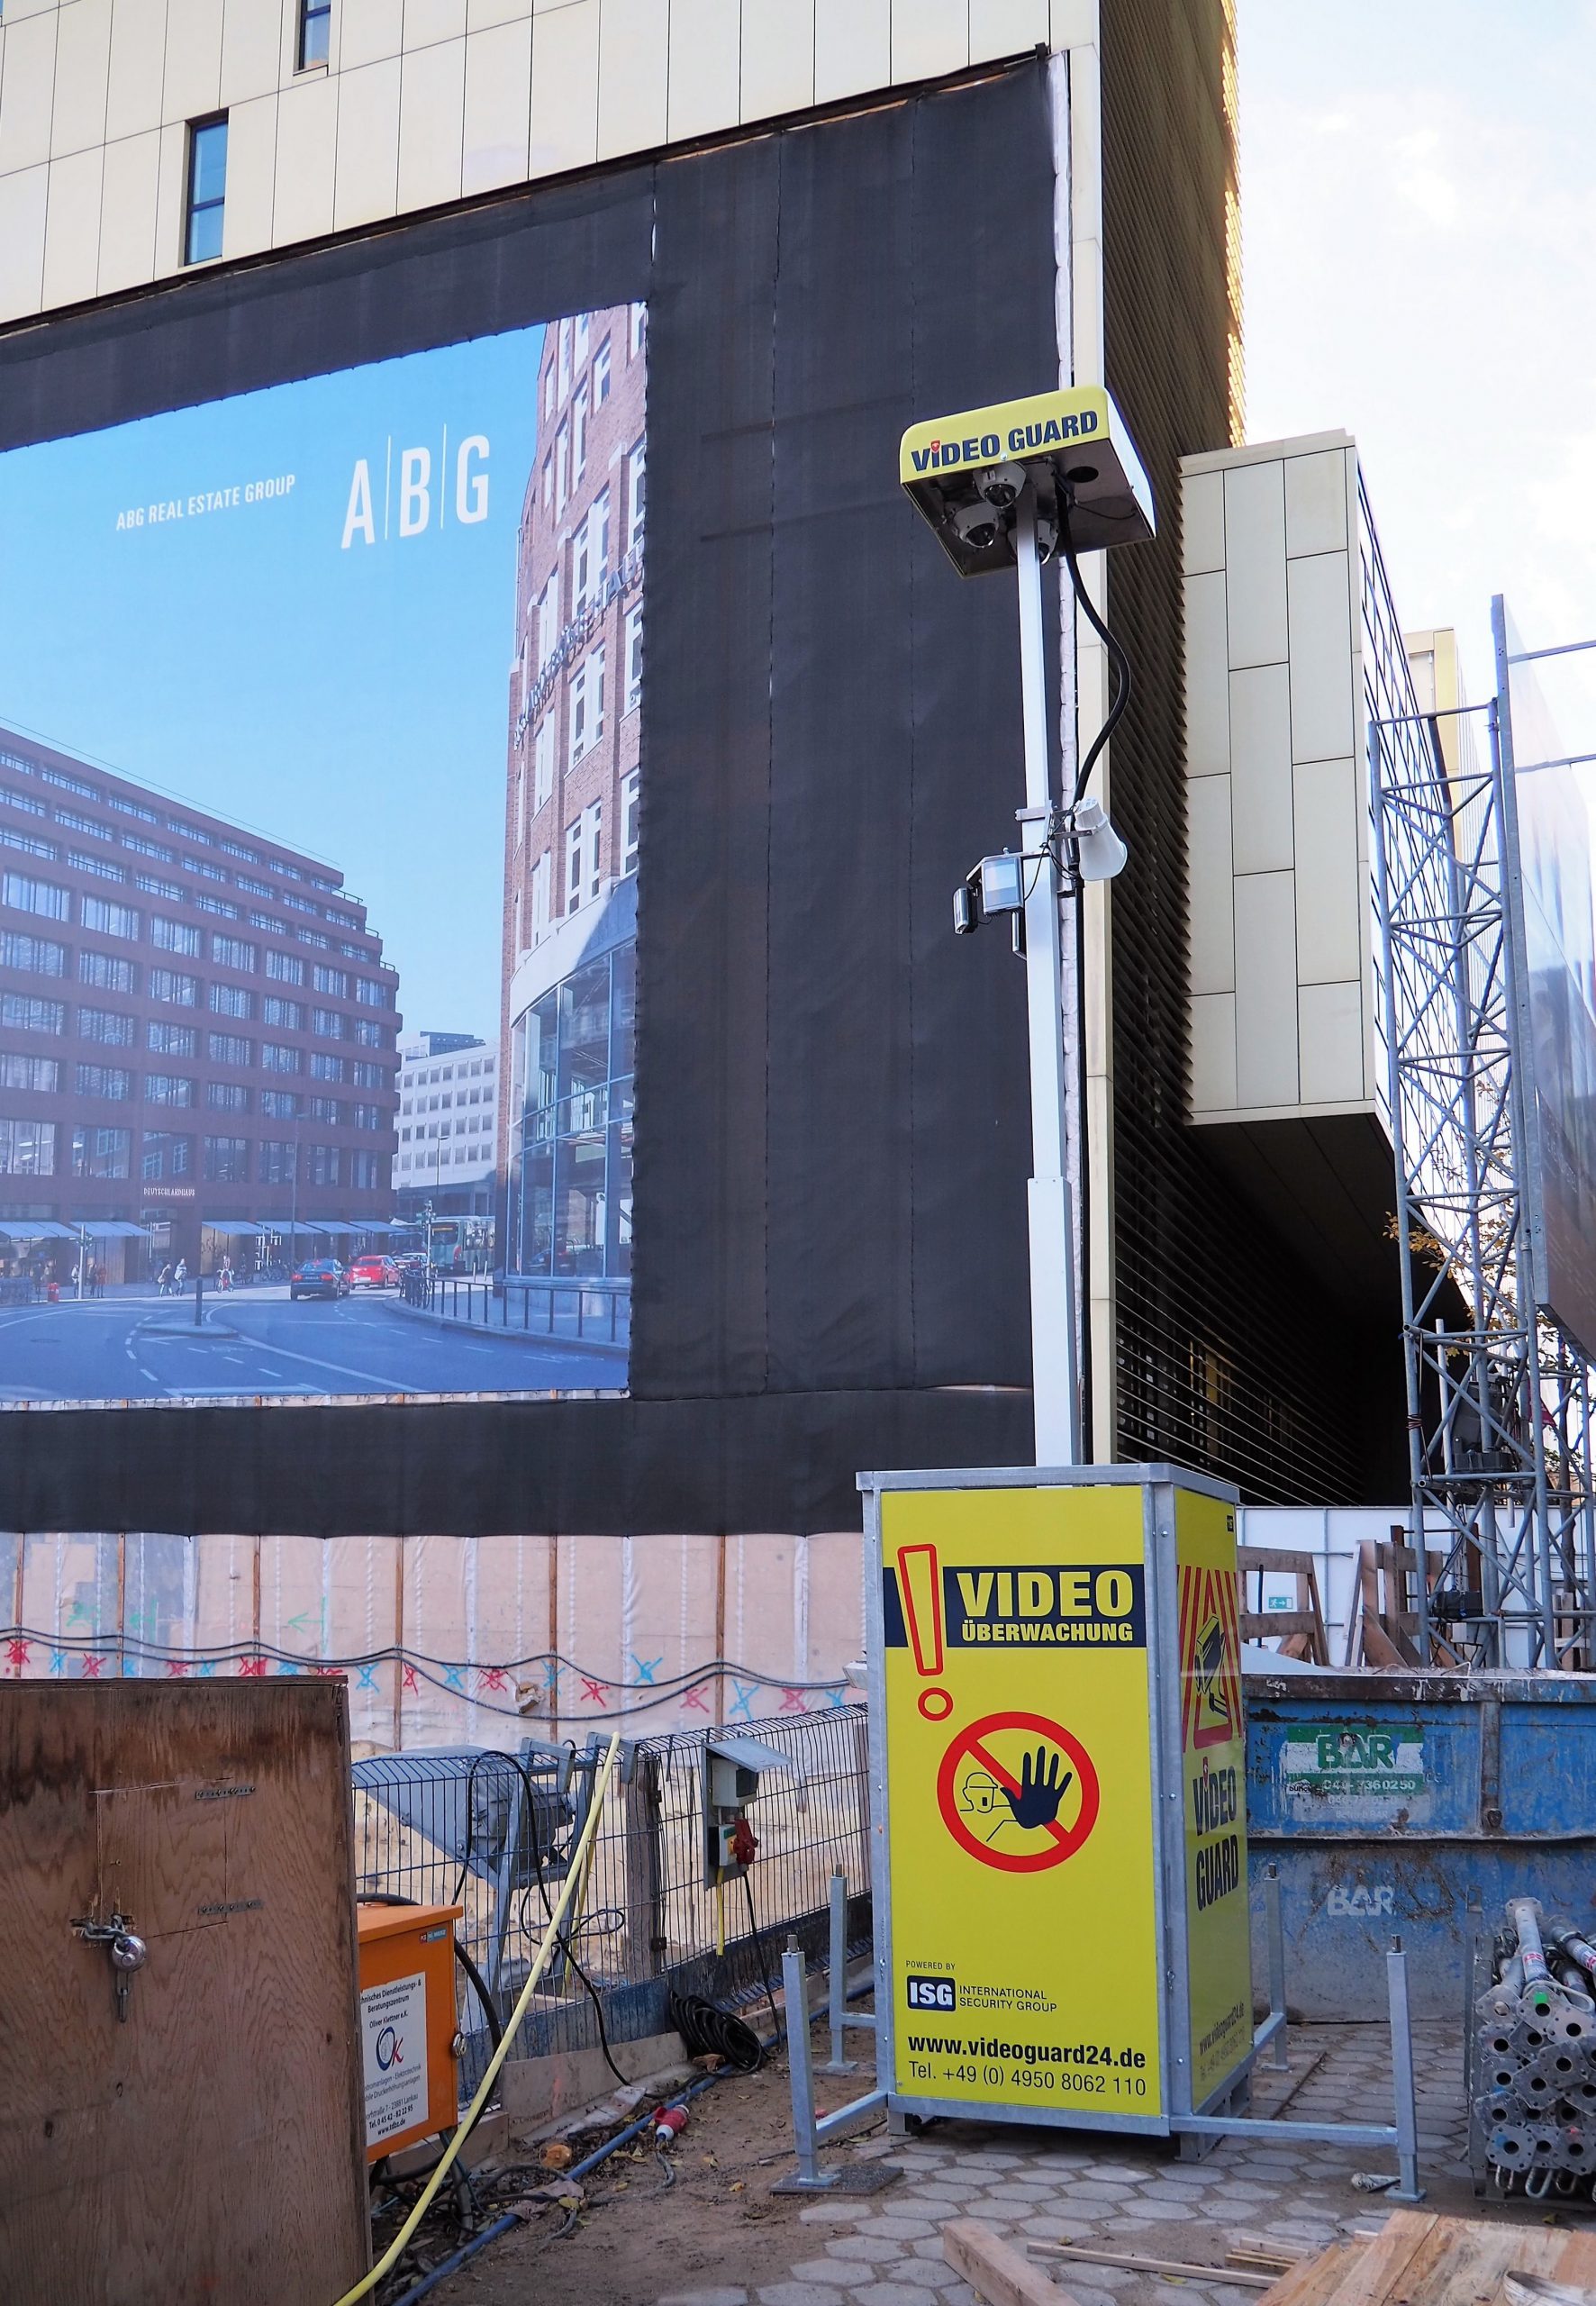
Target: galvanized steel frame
pixel 1498 1408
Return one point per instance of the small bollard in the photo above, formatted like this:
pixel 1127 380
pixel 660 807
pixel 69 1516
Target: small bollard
pixel 1276 1935
pixel 810 2177
pixel 199 1299
pixel 1404 2108
pixel 836 1988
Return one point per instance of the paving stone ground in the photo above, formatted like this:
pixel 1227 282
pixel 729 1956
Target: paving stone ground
pixel 1109 2192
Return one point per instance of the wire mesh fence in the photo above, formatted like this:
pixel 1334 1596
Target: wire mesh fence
pixel 495 1833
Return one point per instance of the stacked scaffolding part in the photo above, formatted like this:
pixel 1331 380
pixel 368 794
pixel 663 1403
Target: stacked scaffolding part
pixel 1533 2059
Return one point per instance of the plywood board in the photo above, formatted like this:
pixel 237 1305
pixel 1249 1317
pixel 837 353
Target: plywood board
pixel 211 2147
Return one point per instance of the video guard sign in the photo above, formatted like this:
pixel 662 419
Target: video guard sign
pixel 1051 1655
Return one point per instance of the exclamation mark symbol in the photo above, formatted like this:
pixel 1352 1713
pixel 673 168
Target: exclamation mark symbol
pixel 919 1589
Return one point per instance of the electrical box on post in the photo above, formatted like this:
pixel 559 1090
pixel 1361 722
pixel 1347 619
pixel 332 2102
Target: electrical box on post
pixel 408 2027
pixel 1057 1756
pixel 732 1768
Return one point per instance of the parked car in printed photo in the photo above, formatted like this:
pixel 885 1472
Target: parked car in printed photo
pixel 319 1278
pixel 374 1271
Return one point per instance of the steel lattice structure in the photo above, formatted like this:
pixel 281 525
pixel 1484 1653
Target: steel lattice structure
pixel 1498 1393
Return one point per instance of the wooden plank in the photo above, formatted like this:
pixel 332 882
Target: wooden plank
pixel 1245 2278
pixel 1279 1557
pixel 1254 1623
pixel 211 2148
pixel 1387 2260
pixel 1312 2280
pixel 995 2270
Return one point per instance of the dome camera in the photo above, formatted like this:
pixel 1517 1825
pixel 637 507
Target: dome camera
pixel 978 525
pixel 1001 485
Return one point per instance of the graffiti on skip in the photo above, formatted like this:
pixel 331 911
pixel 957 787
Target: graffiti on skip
pixel 1360 1902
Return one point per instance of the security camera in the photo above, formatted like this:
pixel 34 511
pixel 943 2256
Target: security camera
pixel 1002 486
pixel 979 525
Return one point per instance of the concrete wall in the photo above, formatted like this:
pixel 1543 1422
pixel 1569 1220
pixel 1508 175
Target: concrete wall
pixel 421 103
pixel 1281 979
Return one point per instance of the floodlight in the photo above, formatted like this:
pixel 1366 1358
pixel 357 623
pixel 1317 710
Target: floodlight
pixel 1003 883
pixel 965 474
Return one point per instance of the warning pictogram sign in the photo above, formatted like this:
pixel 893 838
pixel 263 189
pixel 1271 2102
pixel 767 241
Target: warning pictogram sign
pixel 1210 1658
pixel 1018 1791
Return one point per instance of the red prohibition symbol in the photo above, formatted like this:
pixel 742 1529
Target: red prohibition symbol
pixel 1059 1842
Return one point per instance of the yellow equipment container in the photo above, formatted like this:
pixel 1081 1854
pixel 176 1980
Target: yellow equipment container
pixel 408 2026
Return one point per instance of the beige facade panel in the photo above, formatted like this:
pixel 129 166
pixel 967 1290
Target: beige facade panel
pixel 493 93
pixel 1271 556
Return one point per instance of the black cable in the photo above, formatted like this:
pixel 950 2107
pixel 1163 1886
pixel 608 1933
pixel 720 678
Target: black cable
pixel 562 1938
pixel 1118 661
pixel 710 2031
pixel 759 1949
pixel 666 2172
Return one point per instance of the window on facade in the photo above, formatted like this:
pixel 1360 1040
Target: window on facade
pixel 288 1014
pixel 315 25
pixel 101 1152
pixel 233 952
pixel 109 919
pixel 562 468
pixel 279 1057
pixel 165 1154
pixel 227 1160
pixel 280 1104
pixel 27 1149
pixel 548 478
pixel 369 1033
pixel 207 191
pixel 29 843
pixel 330 1023
pixel 25 802
pixel 174 936
pixel 368 1117
pixel 170 1040
pixel 274 1161
pixel 105 1025
pixel 634 659
pixel 24 894
pixel 587 705
pixel 19 1072
pixel 39 955
pixel 31 1016
pixel 88 862
pixel 601 375
pixel 543 761
pixel 639 328
pixel 579 434
pixel 171 984
pixel 591 554
pixel 366 1076
pixel 333 981
pixel 565 358
pixel 327 1109
pixel 374 992
pixel 637 494
pixel 326 1164
pixel 104 1081
pixel 109 971
pixel 287 967
pixel 168 1088
pixel 630 812
pixel 232 1001
pixel 327 1069
pixel 227 1096
pixel 549 390
pixel 548 618
pixel 230 1048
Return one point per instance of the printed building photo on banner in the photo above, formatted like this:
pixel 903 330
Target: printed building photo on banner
pixel 320 762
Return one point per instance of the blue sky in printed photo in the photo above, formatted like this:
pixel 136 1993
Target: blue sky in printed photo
pixel 351 703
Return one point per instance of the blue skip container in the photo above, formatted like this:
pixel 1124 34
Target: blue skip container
pixel 1414 1805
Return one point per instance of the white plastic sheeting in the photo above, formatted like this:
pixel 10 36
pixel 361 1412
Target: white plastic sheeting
pixel 454 1640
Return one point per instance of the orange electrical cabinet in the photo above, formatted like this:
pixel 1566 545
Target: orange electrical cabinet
pixel 407 2024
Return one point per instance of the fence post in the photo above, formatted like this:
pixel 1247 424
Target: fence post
pixel 837 1983
pixel 1408 2188
pixel 644 1896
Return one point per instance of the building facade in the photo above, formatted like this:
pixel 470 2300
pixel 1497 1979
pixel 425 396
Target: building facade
pixel 198 1027
pixel 449 1132
pixel 573 805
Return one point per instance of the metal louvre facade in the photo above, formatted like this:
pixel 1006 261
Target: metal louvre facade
pixel 1226 1360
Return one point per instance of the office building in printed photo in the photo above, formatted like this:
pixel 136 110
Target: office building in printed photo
pixel 572 801
pixel 196 1030
pixel 449 1133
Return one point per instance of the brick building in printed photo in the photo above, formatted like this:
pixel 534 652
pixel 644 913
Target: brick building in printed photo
pixel 571 818
pixel 197 1031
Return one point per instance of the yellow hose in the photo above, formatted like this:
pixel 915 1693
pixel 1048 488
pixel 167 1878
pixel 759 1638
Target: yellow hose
pixel 574 1873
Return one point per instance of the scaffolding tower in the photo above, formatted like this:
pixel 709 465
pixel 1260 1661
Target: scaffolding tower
pixel 1500 1562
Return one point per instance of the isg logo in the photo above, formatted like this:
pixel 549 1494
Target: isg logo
pixel 931 1993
